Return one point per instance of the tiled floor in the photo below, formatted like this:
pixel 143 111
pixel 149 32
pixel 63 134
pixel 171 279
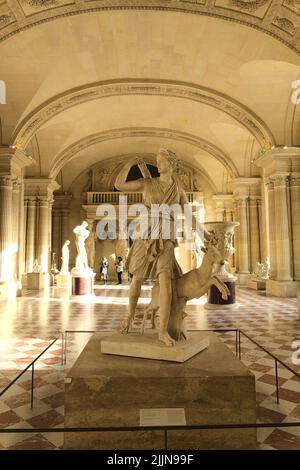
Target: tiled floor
pixel 29 323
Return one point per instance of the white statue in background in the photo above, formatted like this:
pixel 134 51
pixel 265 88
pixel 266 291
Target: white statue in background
pixel 81 234
pixel 36 267
pixel 263 269
pixel 65 258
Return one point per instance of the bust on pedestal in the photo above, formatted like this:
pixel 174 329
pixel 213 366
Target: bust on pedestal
pixel 63 279
pixel 82 275
pixel 223 233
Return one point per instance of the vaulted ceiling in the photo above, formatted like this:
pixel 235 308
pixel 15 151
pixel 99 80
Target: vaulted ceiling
pixel 87 80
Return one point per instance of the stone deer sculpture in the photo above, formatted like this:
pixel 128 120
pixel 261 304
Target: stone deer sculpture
pixel 190 285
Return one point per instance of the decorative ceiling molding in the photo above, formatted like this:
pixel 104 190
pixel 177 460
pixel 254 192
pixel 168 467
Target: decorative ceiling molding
pixel 28 127
pixel 72 151
pixel 261 15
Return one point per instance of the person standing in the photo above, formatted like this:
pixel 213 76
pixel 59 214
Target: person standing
pixel 119 268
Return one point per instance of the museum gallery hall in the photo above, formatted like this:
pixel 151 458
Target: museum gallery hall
pixel 110 106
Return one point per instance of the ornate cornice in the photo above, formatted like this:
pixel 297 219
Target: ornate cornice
pixel 277 19
pixel 70 152
pixel 189 91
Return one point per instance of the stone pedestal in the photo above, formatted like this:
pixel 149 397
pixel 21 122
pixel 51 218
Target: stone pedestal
pixel 82 285
pixel 215 300
pixel 213 387
pixel 282 288
pixel 38 281
pixel 63 280
pixel 257 284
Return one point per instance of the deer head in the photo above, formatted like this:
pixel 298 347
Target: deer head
pixel 211 251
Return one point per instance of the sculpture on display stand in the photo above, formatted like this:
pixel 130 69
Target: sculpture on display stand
pixel 221 234
pixel 82 274
pixel 81 234
pixel 155 258
pixel 36 267
pixel 263 270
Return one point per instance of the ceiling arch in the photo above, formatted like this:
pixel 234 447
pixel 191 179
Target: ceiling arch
pixel 72 151
pixel 277 19
pixel 39 116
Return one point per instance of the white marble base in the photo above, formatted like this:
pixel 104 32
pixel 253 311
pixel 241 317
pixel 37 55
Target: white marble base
pixel 64 280
pixel 38 280
pixel 257 284
pixel 147 346
pixel 282 288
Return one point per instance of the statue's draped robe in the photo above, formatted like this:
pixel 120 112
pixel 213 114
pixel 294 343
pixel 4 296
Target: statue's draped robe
pixel 145 252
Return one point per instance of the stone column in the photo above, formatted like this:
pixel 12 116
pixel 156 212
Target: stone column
pixel 43 236
pixel 6 272
pixel 21 235
pixel 15 227
pixel 12 163
pixel 255 252
pixel 272 238
pixel 243 237
pixel 56 236
pixel 65 225
pixel 280 166
pixel 236 242
pixel 295 211
pixel 282 229
pixel 30 234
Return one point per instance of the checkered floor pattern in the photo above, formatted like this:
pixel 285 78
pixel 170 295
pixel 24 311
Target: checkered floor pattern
pixel 29 324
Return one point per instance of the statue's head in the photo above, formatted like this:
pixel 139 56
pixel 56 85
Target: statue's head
pixel 67 242
pixel 85 224
pixel 166 161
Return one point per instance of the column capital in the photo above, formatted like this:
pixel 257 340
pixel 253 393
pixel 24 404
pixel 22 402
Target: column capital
pixel 280 160
pixel 280 180
pixel 294 180
pixel 40 187
pixel 12 161
pixel 247 186
pixel 6 181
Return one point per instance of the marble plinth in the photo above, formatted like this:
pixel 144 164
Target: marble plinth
pixel 257 284
pixel 63 280
pixel 149 347
pixel 38 281
pixel 215 300
pixel 282 288
pixel 82 285
pixel 213 387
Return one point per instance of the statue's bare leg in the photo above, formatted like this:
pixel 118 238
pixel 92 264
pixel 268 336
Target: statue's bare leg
pixel 165 299
pixel 134 294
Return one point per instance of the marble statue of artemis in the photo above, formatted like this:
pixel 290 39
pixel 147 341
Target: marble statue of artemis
pixel 154 257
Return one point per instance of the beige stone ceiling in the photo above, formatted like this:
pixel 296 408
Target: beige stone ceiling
pixel 85 87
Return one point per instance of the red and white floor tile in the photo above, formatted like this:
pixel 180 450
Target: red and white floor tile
pixel 30 323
